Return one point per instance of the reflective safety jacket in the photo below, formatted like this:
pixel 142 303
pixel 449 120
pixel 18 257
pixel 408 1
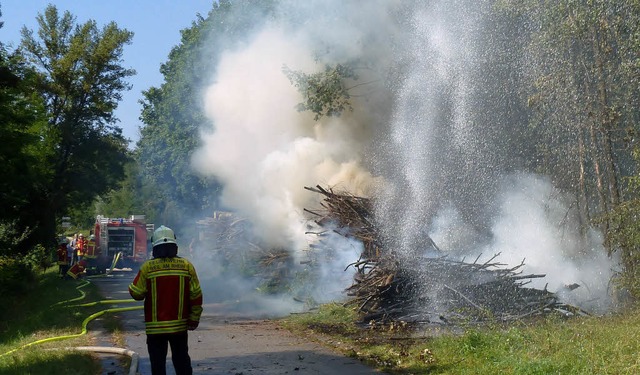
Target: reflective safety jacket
pixel 90 249
pixel 62 254
pixel 77 269
pixel 171 293
pixel 81 246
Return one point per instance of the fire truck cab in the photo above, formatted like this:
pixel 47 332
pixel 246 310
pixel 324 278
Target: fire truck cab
pixel 123 242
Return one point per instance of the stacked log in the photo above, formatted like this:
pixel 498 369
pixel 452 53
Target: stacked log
pixel 418 288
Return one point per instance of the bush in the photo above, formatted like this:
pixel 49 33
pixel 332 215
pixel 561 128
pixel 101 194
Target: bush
pixel 11 237
pixel 16 276
pixel 38 258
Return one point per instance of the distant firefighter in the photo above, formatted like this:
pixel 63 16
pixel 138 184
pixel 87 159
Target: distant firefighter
pixel 91 254
pixel 61 254
pixel 81 247
pixel 77 269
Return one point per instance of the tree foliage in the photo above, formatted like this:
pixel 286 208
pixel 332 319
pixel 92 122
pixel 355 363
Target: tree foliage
pixel 68 84
pixel 22 154
pixel 130 197
pixel 21 121
pixel 561 78
pixel 582 68
pixel 173 113
pixel 172 117
pixel 325 93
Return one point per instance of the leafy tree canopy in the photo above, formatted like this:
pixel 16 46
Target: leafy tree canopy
pixel 324 93
pixel 78 74
pixel 173 115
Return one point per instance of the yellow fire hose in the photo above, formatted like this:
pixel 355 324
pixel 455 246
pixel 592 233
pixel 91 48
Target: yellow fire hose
pixel 82 294
pixel 134 356
pixel 106 302
pixel 84 328
pixel 115 261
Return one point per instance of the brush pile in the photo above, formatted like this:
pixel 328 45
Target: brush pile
pixel 228 240
pixel 426 286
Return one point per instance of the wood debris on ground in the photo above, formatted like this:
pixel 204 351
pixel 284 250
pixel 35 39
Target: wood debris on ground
pixel 228 240
pixel 390 287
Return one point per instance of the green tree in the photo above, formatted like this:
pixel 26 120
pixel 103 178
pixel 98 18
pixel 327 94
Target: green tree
pixel 172 119
pixel 579 55
pixel 173 115
pixel 325 93
pixel 22 154
pixel 131 197
pixel 80 78
pixel 583 72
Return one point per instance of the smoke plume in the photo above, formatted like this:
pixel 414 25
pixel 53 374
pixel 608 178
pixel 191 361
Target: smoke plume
pixel 415 139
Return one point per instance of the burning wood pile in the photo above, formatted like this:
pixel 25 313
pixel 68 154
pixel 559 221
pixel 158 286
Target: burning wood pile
pixel 228 240
pixel 425 287
pixel 223 233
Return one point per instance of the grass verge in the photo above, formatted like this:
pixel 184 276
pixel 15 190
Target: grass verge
pixel 585 345
pixel 39 315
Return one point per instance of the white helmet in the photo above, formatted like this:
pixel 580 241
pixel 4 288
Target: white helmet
pixel 163 235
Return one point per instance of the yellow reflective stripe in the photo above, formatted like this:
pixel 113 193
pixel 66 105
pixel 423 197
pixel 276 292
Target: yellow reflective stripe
pixel 168 326
pixel 195 291
pixel 196 312
pixel 134 288
pixel 161 264
pixel 181 299
pixel 182 273
pixel 154 298
pixel 162 323
pixel 167 330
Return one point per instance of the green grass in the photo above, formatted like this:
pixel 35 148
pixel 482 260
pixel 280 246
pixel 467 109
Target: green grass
pixel 40 362
pixel 330 318
pixel 586 345
pixel 35 316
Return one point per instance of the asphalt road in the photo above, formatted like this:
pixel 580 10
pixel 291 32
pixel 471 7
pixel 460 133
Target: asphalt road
pixel 225 343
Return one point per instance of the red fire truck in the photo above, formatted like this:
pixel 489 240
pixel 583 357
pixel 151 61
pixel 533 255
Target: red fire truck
pixel 122 240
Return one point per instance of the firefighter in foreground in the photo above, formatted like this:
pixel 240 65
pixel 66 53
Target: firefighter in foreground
pixel 172 302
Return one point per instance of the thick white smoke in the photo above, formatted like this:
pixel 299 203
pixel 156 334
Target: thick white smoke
pixel 265 152
pixel 534 225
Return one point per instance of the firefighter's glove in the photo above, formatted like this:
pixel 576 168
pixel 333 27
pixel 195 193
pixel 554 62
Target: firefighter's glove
pixel 191 325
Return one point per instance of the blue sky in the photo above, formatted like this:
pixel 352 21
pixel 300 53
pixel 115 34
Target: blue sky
pixel 156 25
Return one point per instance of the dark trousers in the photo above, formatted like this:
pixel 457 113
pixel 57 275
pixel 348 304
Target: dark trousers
pixel 157 346
pixel 62 269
